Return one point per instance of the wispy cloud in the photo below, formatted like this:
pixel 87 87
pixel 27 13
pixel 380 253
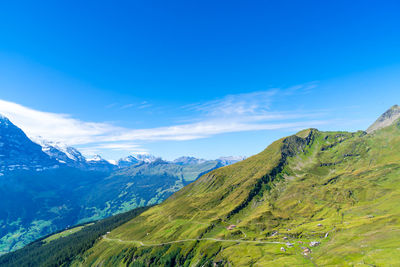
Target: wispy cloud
pixel 144 104
pixel 127 106
pixel 138 105
pixel 233 113
pixel 239 104
pixel 249 104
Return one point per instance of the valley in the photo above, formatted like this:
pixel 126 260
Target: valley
pixel 50 186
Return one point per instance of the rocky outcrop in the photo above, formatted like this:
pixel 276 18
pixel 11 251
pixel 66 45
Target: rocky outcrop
pixel 386 119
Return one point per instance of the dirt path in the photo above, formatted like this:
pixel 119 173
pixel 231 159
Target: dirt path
pixel 189 240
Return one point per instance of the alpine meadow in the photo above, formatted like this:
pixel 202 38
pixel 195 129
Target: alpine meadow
pixel 204 133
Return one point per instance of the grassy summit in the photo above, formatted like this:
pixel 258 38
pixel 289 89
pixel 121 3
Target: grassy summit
pixel 339 190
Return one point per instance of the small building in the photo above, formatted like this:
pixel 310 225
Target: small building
pixel 231 227
pixel 306 251
pixel 314 243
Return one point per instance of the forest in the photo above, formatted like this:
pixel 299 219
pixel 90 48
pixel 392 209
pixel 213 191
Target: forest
pixel 62 251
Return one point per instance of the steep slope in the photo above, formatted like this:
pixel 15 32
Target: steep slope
pixel 18 152
pixel 315 198
pixel 386 119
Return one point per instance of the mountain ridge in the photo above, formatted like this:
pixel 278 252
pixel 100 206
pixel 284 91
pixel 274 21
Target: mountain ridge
pixel 313 198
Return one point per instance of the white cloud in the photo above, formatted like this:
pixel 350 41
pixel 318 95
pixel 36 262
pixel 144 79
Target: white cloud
pixel 233 113
pixel 56 127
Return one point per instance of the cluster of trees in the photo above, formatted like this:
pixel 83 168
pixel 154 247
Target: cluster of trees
pixel 61 251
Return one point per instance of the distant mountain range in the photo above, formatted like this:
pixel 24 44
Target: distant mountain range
pixel 70 156
pixel 46 186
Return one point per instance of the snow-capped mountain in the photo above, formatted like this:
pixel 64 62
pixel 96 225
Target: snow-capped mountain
pixel 126 162
pixel 71 157
pixel 148 158
pixel 62 153
pixel 135 158
pixel 18 152
pixel 97 163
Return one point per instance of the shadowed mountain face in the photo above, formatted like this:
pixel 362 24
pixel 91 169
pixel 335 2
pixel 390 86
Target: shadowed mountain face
pixel 314 198
pixel 49 187
pixel 18 152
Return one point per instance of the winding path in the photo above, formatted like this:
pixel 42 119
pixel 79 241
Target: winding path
pixel 189 240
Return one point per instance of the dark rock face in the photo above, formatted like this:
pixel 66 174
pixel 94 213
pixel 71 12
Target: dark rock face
pixel 18 152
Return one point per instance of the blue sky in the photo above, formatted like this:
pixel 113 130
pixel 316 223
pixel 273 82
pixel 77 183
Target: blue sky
pixel 200 78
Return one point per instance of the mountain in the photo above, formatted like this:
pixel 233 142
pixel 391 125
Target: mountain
pixel 224 161
pixel 97 163
pixel 62 153
pixel 18 152
pixel 126 162
pixel 147 158
pixel 188 160
pixel 71 157
pixel 386 119
pixel 135 158
pixel 48 187
pixel 311 199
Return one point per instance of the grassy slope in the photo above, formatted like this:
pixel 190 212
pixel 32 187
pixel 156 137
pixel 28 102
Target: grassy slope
pixel 348 183
pixel 61 248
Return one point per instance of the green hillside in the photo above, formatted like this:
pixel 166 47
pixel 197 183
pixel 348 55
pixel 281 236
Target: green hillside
pixel 34 204
pixel 337 188
pixel 61 248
